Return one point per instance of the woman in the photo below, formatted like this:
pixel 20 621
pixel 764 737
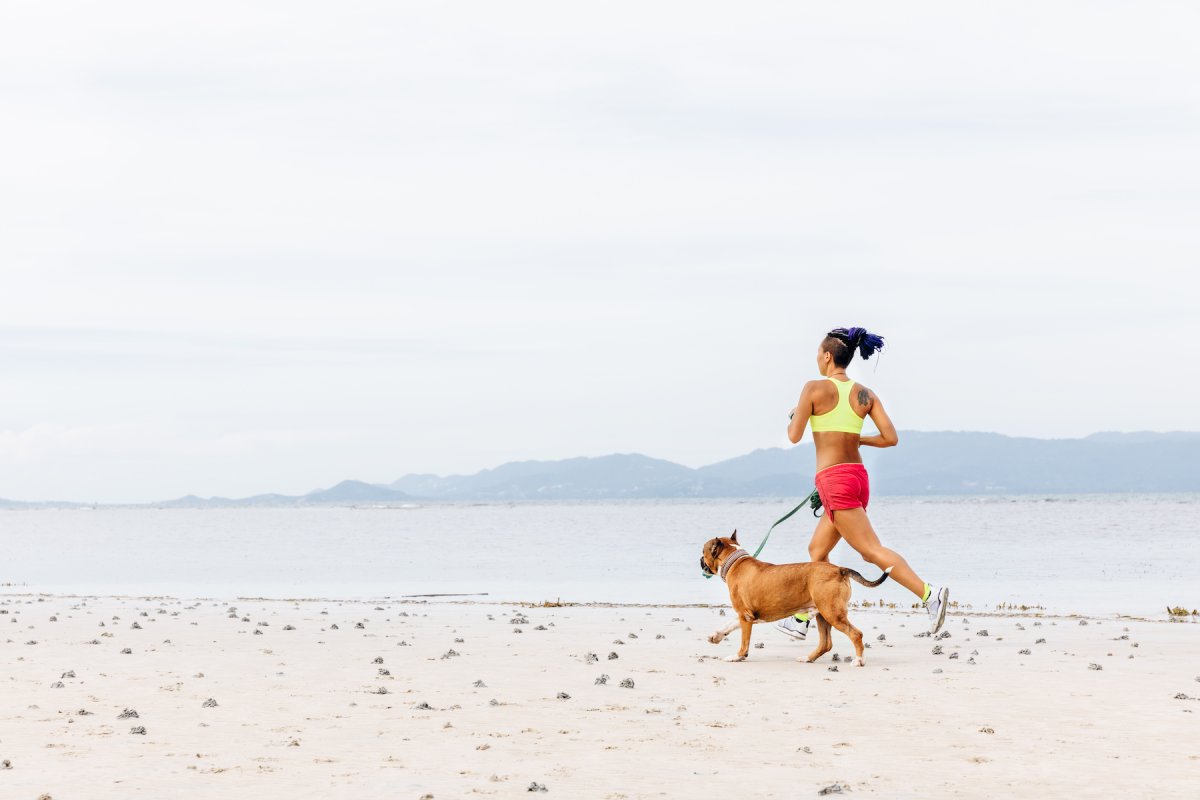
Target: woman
pixel 836 407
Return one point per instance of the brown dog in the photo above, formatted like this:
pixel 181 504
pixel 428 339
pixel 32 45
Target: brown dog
pixel 762 592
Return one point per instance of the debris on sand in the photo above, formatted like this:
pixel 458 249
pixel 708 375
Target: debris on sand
pixel 480 685
pixel 833 668
pixel 139 730
pixel 209 703
pixel 1095 667
pixel 627 683
pixel 128 713
pixel 613 655
pixel 834 788
pixel 602 680
pixel 564 696
pixel 981 632
pixel 537 787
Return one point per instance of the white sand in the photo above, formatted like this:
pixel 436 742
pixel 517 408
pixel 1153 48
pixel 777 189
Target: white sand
pixel 297 717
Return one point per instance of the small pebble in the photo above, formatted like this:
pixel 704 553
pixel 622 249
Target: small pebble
pixel 627 683
pixel 209 703
pixel 982 632
pixel 564 696
pixel 1095 667
pixel 833 668
pixel 138 729
pixel 537 787
pixel 602 680
pixel 611 656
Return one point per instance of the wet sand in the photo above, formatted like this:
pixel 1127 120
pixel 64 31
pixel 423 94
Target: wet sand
pixel 328 699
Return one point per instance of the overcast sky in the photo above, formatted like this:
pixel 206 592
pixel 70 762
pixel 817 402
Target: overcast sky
pixel 255 247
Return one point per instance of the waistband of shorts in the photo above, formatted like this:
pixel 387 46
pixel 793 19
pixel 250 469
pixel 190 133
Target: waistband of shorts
pixel 845 466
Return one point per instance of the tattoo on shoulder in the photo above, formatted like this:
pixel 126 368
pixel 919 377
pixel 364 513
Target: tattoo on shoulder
pixel 864 396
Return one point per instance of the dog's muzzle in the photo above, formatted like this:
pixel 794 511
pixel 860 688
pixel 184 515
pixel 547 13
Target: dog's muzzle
pixel 704 570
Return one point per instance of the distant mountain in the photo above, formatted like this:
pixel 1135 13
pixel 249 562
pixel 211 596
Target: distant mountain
pixel 925 463
pixel 613 476
pixel 346 493
pixel 988 463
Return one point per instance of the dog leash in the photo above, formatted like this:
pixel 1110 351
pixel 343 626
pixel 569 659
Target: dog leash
pixel 813 500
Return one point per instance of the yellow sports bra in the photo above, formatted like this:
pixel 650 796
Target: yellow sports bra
pixel 842 418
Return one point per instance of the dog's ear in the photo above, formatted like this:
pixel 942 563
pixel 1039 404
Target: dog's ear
pixel 733 536
pixel 714 550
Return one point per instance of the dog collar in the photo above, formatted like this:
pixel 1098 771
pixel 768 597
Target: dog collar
pixel 737 556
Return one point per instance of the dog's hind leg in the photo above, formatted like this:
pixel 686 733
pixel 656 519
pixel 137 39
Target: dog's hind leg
pixel 840 621
pixel 744 650
pixel 824 645
pixel 719 636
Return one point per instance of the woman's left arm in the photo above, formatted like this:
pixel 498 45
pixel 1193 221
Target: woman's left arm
pixel 800 414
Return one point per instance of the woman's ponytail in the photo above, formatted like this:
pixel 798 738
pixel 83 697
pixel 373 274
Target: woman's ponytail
pixel 852 339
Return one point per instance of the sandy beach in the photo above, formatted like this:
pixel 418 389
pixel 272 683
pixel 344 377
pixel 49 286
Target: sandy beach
pixel 135 697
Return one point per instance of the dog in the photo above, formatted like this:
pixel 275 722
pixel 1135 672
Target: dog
pixel 762 592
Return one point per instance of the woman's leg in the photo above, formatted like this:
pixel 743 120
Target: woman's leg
pixel 824 539
pixel 853 526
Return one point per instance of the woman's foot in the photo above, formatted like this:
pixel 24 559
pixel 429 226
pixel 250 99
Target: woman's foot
pixel 939 600
pixel 793 627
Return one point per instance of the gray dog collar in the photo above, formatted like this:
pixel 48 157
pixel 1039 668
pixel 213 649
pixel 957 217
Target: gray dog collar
pixel 735 557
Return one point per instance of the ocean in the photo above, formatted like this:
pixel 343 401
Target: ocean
pixel 1094 554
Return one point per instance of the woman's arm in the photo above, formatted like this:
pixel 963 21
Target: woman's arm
pixel 887 431
pixel 800 414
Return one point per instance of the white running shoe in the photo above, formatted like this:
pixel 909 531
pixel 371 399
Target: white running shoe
pixel 793 627
pixel 939 600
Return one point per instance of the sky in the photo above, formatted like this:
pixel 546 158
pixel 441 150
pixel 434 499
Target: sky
pixel 250 247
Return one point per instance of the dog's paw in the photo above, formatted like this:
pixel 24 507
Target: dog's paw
pixel 735 657
pixel 717 638
pixel 860 662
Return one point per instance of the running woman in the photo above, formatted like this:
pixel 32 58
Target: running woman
pixel 835 407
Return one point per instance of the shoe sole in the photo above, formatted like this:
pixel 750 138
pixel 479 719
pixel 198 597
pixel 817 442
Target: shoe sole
pixel 797 636
pixel 943 603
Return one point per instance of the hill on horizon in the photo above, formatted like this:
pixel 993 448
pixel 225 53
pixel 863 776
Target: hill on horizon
pixel 925 463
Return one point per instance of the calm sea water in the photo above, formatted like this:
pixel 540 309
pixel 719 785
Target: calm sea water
pixel 1097 554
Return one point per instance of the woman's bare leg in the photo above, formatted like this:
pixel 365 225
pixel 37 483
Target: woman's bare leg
pixel 853 526
pixel 825 537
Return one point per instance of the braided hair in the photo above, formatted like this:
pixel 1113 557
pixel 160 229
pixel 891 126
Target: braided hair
pixel 842 342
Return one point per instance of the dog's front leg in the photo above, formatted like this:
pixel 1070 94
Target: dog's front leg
pixel 747 626
pixel 719 636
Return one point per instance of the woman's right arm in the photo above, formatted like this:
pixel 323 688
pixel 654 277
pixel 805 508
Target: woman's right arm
pixel 887 436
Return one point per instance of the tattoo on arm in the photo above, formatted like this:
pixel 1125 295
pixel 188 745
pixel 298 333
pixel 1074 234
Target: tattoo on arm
pixel 864 397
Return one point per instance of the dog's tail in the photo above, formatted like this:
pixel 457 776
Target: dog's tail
pixel 850 573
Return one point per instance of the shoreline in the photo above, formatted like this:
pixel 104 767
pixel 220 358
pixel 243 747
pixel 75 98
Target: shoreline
pixel 1002 610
